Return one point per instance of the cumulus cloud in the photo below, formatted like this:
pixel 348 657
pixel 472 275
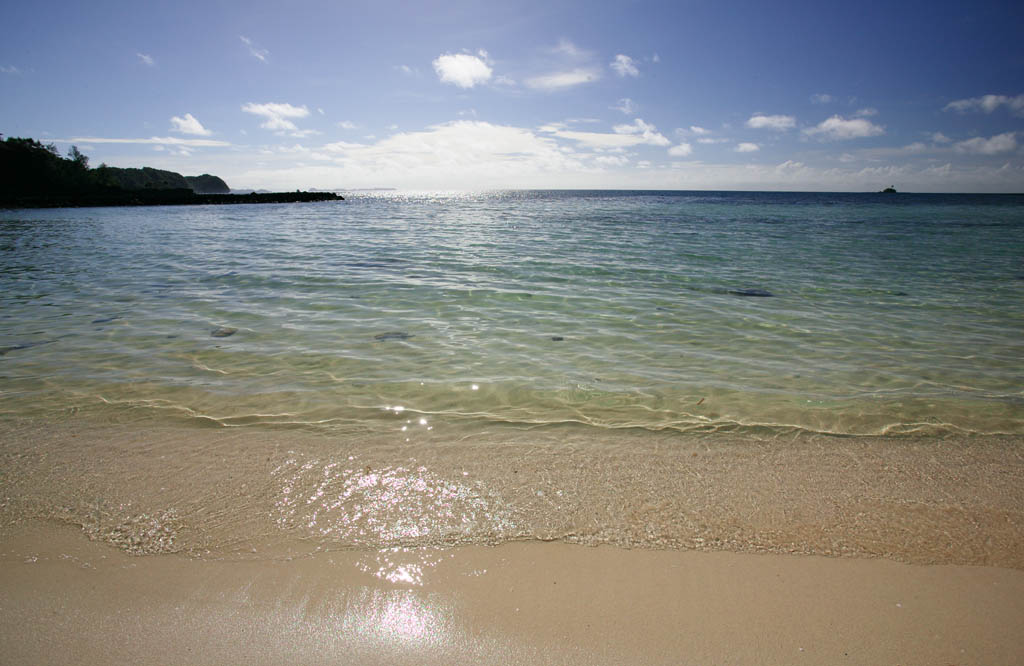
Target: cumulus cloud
pixel 988 104
pixel 699 131
pixel 462 151
pixel 347 124
pixel 146 59
pixel 559 80
pixel 277 115
pixel 866 113
pixel 939 137
pixel 747 148
pixel 682 150
pixel 189 125
pixel 254 51
pixel 627 106
pixel 1000 143
pixel 777 123
pixel 612 160
pixel 624 66
pixel 839 128
pixel 649 133
pixel 463 69
pixel 822 98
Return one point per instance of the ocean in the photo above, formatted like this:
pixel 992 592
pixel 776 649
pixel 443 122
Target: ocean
pixel 402 369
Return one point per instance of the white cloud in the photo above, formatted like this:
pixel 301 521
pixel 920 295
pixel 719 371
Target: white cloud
pixel 567 48
pixel 189 125
pixel 277 114
pixel 710 140
pixel 624 66
pixel 839 128
pixel 682 150
pixel 649 133
pixel 746 147
pixel 866 113
pixel 154 140
pixel 463 69
pixel 627 106
pixel 777 123
pixel 1000 143
pixel 558 80
pixel 464 151
pixel 939 137
pixel 822 98
pixel 625 136
pixel 406 69
pixel 254 51
pixel 612 160
pixel 347 124
pixel 146 59
pixel 469 155
pixel 699 131
pixel 988 104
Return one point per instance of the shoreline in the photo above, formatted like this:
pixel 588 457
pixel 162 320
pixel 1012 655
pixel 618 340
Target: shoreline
pixel 217 492
pixel 147 544
pixel 515 603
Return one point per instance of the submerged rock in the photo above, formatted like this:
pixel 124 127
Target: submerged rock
pixel 24 345
pixel 393 335
pixel 760 293
pixel 223 332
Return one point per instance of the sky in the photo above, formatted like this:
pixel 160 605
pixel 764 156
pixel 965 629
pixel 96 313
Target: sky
pixel 454 95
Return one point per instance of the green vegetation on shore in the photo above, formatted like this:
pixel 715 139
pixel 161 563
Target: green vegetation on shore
pixel 35 175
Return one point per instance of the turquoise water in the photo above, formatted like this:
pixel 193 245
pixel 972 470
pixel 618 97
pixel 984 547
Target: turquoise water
pixel 886 315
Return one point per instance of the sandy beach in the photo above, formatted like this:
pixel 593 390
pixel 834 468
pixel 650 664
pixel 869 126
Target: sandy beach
pixel 153 545
pixel 68 599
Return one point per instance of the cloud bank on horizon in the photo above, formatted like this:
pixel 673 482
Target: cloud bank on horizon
pixel 653 95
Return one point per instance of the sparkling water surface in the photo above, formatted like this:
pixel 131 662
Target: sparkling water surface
pixel 703 312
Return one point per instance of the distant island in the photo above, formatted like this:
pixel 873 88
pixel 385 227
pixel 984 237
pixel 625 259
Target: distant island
pixel 888 190
pixel 35 175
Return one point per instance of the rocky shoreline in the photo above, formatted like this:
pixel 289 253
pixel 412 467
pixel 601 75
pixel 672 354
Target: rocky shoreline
pixel 162 198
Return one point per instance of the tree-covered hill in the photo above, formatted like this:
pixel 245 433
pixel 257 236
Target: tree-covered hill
pixel 33 174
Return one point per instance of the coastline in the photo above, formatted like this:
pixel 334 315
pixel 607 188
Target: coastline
pixel 158 197
pixel 153 487
pixel 149 542
pixel 518 603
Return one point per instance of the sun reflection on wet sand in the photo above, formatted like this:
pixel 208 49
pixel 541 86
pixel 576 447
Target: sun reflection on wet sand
pixel 401 565
pixel 382 506
pixel 396 618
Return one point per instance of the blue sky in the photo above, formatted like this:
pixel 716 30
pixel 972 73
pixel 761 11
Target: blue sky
pixel 926 96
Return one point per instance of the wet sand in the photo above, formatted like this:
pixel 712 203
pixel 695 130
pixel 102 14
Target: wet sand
pixel 67 599
pixel 148 544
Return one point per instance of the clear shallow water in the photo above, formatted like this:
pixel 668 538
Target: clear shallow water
pixel 431 369
pixel 888 315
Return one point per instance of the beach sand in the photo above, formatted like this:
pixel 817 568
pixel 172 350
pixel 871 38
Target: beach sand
pixel 69 600
pixel 131 543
